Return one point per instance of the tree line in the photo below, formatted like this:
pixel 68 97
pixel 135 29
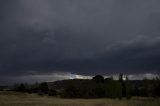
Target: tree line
pixel 97 87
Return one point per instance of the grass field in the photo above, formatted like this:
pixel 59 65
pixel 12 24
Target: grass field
pixel 21 99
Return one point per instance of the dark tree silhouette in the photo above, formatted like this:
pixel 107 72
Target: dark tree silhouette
pixel 70 91
pixel 128 89
pixel 52 92
pixel 43 87
pixel 21 88
pixel 98 79
pixel 121 77
pixel 98 87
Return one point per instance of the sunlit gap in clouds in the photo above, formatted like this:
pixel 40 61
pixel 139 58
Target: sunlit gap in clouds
pixel 63 76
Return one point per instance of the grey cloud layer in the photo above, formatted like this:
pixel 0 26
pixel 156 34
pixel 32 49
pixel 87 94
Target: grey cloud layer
pixel 84 37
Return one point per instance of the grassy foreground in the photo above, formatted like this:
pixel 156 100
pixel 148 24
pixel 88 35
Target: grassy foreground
pixel 21 99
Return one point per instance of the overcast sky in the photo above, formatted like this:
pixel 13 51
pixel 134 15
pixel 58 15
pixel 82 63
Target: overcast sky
pixel 86 37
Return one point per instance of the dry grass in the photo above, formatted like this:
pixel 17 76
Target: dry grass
pixel 19 99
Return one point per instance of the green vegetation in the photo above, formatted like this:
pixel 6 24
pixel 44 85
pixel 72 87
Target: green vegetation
pixel 95 92
pixel 98 87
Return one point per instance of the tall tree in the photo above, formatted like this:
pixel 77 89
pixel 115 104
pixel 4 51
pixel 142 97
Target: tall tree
pixel 128 89
pixel 98 79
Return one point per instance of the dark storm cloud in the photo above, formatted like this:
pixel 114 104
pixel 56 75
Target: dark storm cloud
pixel 85 37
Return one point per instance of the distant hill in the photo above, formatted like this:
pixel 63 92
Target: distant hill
pixel 61 84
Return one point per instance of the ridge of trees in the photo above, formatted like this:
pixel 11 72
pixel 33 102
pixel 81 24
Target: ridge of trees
pixel 97 87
